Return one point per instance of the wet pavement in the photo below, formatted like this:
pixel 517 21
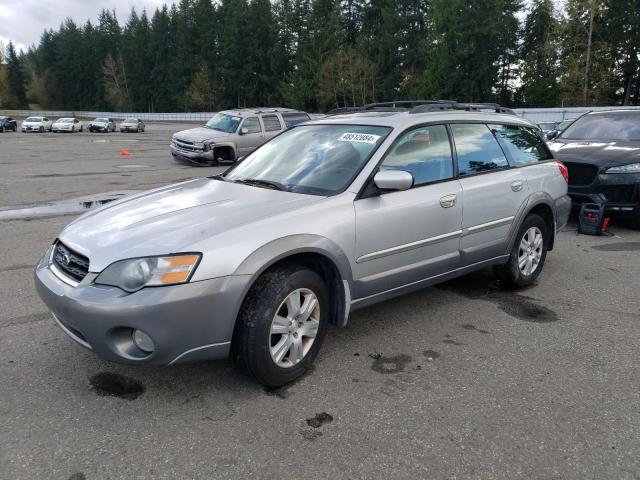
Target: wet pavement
pixel 462 380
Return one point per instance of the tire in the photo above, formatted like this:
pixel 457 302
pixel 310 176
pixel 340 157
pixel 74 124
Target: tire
pixel 81 129
pixel 15 128
pixel 254 344
pixel 41 130
pixel 634 223
pixel 512 275
pixel 2 129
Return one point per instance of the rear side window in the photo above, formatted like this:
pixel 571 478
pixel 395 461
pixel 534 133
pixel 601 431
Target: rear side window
pixel 271 123
pixel 291 119
pixel 477 149
pixel 425 152
pixel 522 145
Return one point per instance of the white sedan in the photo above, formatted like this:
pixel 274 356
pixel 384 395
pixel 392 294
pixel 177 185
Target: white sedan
pixel 36 124
pixel 67 124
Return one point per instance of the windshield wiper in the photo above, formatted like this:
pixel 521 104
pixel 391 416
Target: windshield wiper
pixel 261 183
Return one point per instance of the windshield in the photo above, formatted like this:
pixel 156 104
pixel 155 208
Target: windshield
pixel 130 120
pixel 33 119
pixel 609 126
pixel 223 123
pixel 65 120
pixel 103 120
pixel 312 159
pixel 547 126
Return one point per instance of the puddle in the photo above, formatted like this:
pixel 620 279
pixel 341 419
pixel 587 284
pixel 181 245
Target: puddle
pixel 450 341
pixel 618 247
pixel 69 206
pixel 482 286
pixel 78 476
pixel 390 364
pixel 109 384
pixel 431 354
pixel 100 141
pixel 132 165
pixel 319 420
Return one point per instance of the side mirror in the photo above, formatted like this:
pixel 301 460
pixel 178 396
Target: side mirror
pixel 393 180
pixel 244 131
pixel 551 135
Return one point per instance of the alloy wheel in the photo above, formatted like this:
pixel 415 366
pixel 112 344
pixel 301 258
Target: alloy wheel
pixel 294 327
pixel 530 251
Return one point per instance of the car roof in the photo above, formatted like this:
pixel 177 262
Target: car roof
pixel 618 110
pixel 405 119
pixel 256 110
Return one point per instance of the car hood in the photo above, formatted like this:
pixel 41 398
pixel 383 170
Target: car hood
pixel 171 219
pixel 601 153
pixel 200 134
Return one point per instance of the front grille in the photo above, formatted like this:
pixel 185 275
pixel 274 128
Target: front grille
pixel 619 193
pixel 581 174
pixel 72 264
pixel 186 145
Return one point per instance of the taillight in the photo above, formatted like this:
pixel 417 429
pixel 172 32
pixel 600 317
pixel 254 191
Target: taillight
pixel 564 171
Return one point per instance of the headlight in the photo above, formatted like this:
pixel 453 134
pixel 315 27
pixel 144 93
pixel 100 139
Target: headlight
pixel 133 274
pixel 631 168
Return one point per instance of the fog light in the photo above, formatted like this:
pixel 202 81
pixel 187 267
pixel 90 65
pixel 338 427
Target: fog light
pixel 143 341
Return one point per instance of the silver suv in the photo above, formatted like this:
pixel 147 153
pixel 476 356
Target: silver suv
pixel 326 218
pixel 232 134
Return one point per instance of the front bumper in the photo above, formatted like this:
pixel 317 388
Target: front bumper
pixel 188 322
pixel 191 155
pixel 129 128
pixel 622 191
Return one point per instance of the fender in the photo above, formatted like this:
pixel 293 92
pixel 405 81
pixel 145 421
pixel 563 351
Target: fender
pixel 535 199
pixel 269 254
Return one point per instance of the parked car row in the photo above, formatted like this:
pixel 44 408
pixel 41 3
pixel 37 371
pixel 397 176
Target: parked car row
pixel 70 124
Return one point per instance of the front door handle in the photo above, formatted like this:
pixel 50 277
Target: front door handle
pixel 448 201
pixel 517 185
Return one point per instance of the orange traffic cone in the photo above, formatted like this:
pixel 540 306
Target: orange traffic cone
pixel 124 153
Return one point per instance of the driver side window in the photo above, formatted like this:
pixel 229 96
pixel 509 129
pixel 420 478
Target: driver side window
pixel 252 124
pixel 424 152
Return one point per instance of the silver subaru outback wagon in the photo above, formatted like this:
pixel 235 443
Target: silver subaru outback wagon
pixel 326 218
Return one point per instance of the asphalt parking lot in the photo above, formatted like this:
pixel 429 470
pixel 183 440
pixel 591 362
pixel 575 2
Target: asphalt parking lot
pixel 457 381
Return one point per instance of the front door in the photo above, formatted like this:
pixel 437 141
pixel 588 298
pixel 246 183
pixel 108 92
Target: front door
pixel 407 236
pixel 493 193
pixel 251 136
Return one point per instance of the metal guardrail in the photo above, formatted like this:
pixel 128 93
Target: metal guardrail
pixel 159 117
pixel 535 115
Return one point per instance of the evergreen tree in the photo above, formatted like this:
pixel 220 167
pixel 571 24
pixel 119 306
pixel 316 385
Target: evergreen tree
pixel 16 95
pixel 539 54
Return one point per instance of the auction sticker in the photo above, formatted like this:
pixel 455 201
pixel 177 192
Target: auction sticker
pixel 359 137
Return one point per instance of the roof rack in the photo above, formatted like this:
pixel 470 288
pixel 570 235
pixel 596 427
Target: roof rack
pixel 423 106
pixel 468 107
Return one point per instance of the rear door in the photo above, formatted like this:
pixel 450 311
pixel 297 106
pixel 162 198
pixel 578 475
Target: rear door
pixel 272 126
pixel 492 191
pixel 406 236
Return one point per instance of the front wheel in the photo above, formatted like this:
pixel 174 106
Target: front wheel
pixel 41 130
pixel 281 325
pixel 527 255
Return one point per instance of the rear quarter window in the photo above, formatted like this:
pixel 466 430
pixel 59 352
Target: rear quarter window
pixel 523 146
pixel 291 119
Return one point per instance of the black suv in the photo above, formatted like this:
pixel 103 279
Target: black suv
pixel 602 152
pixel 8 123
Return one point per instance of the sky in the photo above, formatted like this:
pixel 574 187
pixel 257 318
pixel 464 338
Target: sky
pixel 23 21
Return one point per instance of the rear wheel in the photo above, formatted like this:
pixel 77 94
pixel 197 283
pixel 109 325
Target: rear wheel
pixel 281 325
pixel 527 255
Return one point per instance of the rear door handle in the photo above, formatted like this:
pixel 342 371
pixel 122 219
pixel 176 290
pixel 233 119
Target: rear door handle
pixel 448 201
pixel 517 185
